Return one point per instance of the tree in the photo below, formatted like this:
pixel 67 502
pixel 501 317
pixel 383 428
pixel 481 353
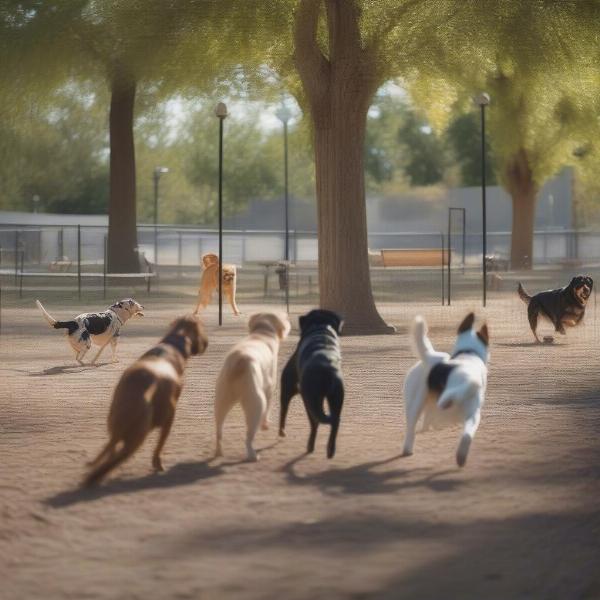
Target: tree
pixel 533 58
pixel 343 51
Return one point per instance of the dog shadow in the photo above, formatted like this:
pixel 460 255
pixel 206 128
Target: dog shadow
pixel 62 369
pixel 180 474
pixel 364 479
pixel 525 344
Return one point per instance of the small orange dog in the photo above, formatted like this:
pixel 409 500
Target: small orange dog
pixel 146 396
pixel 210 282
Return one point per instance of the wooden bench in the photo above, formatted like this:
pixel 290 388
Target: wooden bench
pixel 413 257
pixel 390 258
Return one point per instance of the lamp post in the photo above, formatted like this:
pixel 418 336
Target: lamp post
pixel 221 113
pixel 158 171
pixel 482 100
pixel 283 114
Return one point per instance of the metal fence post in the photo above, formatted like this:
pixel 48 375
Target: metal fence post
pixel 79 261
pixel 104 267
pixel 16 255
pixel 443 246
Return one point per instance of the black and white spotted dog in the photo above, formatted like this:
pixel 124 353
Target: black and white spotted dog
pixel 101 328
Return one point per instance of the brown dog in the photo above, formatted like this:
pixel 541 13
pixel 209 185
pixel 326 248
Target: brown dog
pixel 146 397
pixel 209 282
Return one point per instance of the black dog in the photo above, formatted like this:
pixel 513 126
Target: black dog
pixel 314 371
pixel 564 307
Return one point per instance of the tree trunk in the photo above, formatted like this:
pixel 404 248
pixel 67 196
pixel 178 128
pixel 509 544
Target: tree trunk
pixel 523 191
pixel 339 90
pixel 122 222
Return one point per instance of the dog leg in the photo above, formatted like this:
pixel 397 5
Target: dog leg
pixel 223 405
pixel 231 298
pixel 314 425
pixel 471 425
pixel 335 401
pixel 113 347
pixel 415 396
pixel 288 389
pixel 532 315
pixel 77 357
pixel 255 408
pixel 99 353
pixel 164 434
pixel 108 450
pixel 203 300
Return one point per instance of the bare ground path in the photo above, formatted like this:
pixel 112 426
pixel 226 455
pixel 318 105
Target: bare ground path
pixel 520 521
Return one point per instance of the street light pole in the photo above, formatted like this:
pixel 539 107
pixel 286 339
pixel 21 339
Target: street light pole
pixel 482 100
pixel 283 114
pixel 158 171
pixel 221 113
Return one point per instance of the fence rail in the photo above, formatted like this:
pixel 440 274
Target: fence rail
pixel 184 245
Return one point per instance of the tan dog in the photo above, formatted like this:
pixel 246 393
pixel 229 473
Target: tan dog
pixel 209 282
pixel 249 376
pixel 146 397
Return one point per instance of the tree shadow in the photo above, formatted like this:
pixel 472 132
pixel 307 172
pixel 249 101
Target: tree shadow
pixel 364 479
pixel 180 474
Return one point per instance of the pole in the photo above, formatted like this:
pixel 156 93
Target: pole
pixel 79 261
pixel 483 203
pixel 287 222
pixel 220 221
pixel 16 255
pixel 156 178
pixel 464 240
pixel 104 268
pixel 449 256
pixel 443 252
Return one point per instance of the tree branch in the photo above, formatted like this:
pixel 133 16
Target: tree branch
pixel 312 66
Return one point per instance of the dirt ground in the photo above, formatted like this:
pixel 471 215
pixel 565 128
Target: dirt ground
pixel 521 520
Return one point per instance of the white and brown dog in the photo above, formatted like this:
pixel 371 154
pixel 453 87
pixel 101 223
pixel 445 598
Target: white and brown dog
pixel 101 328
pixel 249 376
pixel 209 282
pixel 447 388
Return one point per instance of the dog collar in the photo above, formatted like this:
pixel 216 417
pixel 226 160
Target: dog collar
pixel 116 315
pixel 465 352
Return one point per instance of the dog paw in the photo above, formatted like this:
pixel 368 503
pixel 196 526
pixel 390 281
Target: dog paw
pixel 252 457
pixel 265 425
pixel 282 433
pixel 406 452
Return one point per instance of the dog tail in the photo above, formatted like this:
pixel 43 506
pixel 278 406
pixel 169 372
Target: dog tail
pixel 421 341
pixel 70 325
pixel 51 320
pixel 523 294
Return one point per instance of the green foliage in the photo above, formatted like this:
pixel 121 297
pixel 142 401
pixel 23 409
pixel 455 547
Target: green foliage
pixel 464 142
pixel 58 154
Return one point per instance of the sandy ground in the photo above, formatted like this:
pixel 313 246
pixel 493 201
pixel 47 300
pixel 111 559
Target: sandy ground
pixel 520 521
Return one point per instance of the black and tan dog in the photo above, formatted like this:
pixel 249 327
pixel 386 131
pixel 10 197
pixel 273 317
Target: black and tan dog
pixel 564 307
pixel 146 396
pixel 314 370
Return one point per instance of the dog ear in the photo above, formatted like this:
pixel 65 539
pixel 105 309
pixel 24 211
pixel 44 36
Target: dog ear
pixel 254 320
pixel 283 326
pixel 484 335
pixel 302 322
pixel 467 323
